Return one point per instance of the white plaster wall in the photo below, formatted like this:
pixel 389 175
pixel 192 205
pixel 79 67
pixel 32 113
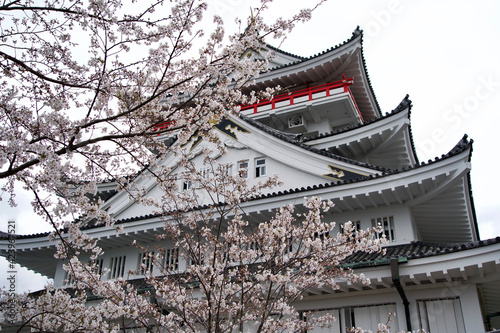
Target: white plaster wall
pixel 403 224
pixel 467 294
pixel 291 178
pixel 131 263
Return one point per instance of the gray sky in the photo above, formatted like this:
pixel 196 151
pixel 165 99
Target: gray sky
pixel 444 54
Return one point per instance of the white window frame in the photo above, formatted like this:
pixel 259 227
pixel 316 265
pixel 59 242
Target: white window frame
pixel 357 227
pixel 68 279
pixel 369 316
pixel 187 184
pixel 260 169
pixel 99 264
pixel 227 169
pixel 441 313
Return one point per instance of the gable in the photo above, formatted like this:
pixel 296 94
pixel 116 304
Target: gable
pixel 260 153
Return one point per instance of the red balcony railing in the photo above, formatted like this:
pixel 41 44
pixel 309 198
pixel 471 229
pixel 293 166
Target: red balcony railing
pixel 164 125
pixel 311 94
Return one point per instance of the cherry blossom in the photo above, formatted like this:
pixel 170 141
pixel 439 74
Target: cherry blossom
pixel 85 84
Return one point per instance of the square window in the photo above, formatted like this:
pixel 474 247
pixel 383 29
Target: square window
pixel 186 185
pixel 260 167
pixel 356 227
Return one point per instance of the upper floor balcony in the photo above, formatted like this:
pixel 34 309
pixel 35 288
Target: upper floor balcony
pixel 319 108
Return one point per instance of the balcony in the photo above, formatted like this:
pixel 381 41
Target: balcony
pixel 303 96
pixel 321 108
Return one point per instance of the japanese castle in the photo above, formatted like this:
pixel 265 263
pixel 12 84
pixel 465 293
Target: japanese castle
pixel 329 138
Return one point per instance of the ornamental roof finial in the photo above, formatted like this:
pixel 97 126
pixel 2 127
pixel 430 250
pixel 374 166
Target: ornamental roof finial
pixel 357 32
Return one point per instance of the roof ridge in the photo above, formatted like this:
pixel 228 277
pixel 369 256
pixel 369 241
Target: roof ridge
pixel 284 52
pixel 357 32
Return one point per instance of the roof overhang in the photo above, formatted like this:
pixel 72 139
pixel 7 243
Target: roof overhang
pixel 452 270
pixel 385 142
pixel 326 67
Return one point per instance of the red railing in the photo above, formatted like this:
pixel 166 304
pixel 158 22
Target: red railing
pixel 164 125
pixel 344 83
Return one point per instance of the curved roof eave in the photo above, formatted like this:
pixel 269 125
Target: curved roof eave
pixel 463 146
pixel 296 140
pixel 360 92
pixel 405 104
pixel 364 130
pixel 416 250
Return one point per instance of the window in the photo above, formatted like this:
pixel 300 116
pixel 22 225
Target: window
pixel 171 260
pixel 441 315
pixel 334 326
pixel 260 167
pixel 196 259
pixel 289 246
pixel 183 180
pixel 368 317
pixel 226 169
pixel 243 168
pixel 322 236
pixel 99 264
pixel 187 184
pixel 117 267
pixel 387 225
pixel 205 173
pixel 355 224
pixel 68 278
pixel 145 258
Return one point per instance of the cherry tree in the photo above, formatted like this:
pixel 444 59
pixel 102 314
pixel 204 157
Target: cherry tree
pixel 86 84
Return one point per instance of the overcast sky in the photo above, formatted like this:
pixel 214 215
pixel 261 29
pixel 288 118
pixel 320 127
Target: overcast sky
pixel 444 54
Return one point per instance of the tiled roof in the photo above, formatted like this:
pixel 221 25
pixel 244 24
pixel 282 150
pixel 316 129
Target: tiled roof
pixel 405 103
pixel 296 139
pixel 413 250
pixel 275 49
pixel 357 32
pixel 463 145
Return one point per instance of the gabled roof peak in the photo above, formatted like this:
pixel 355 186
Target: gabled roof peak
pixel 405 103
